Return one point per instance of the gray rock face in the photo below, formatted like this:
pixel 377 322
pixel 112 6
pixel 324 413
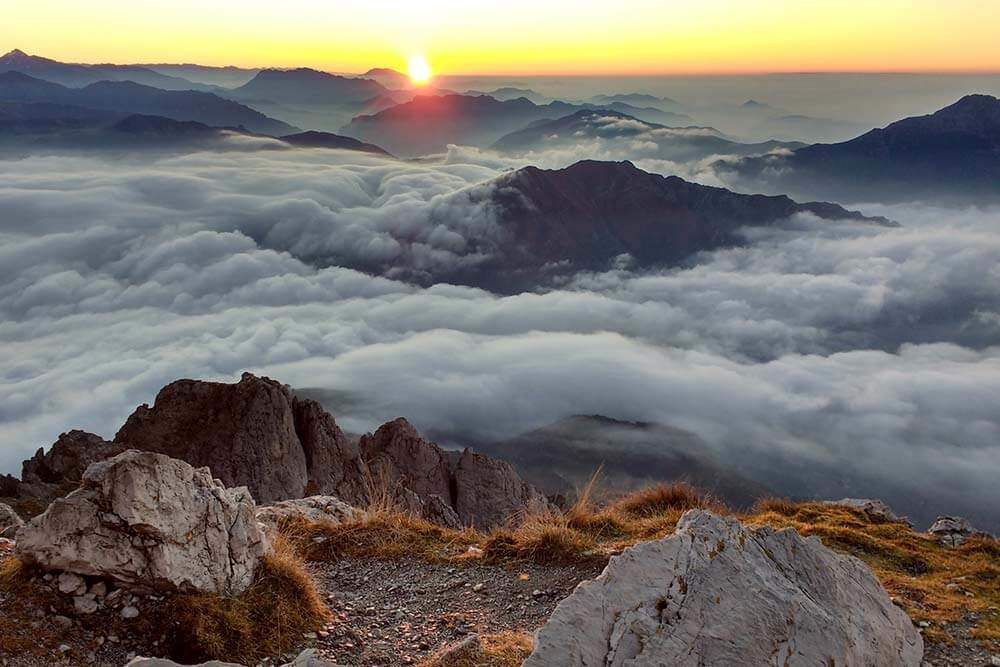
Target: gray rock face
pixel 952 531
pixel 149 521
pixel 875 509
pixel 488 491
pixel 9 521
pixel 318 509
pixel 717 593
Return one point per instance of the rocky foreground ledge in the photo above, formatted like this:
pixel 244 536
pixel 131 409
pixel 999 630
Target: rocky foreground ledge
pixel 447 560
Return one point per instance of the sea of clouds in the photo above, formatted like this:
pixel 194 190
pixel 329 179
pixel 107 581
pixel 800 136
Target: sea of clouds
pixel 870 351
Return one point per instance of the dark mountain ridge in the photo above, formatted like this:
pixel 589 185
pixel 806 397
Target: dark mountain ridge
pixel 308 87
pixel 133 98
pixel 79 75
pixel 428 123
pixel 950 154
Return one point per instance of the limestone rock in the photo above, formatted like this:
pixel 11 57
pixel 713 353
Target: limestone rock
pixel 318 509
pixel 951 531
pixel 717 593
pixel 149 521
pixel 875 509
pixel 9 521
pixel 488 491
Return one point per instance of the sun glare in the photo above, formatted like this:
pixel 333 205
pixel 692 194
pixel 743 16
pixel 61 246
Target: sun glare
pixel 420 70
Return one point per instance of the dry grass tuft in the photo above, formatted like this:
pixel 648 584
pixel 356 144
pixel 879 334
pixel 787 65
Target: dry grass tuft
pixel 663 498
pixel 545 538
pixel 382 533
pixel 267 620
pixel 504 649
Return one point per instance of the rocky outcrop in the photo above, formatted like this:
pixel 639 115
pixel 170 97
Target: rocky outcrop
pixel 51 473
pixel 149 521
pixel 717 593
pixel 247 434
pixel 876 510
pixel 333 460
pixel 256 433
pixel 318 509
pixel 405 466
pixel 952 531
pixel 448 488
pixel 9 521
pixel 488 491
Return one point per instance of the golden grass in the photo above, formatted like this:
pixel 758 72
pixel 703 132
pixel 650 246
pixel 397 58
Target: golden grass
pixel 503 649
pixel 267 620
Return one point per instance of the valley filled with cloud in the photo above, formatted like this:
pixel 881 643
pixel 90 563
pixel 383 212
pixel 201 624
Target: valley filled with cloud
pixel 839 346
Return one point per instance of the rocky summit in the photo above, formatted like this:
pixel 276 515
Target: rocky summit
pixel 256 433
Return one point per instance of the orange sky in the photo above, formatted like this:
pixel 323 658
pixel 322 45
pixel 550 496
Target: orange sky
pixel 519 36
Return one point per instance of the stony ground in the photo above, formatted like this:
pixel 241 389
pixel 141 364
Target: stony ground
pixel 391 613
pixel 385 613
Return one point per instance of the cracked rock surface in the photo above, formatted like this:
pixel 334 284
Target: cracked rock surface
pixel 719 593
pixel 150 521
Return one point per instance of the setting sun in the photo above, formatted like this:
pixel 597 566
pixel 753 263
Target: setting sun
pixel 420 70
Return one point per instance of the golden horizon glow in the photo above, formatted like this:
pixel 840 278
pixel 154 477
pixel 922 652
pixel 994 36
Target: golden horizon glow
pixel 420 70
pixel 519 37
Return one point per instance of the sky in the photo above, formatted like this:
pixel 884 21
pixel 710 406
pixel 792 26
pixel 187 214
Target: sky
pixel 518 36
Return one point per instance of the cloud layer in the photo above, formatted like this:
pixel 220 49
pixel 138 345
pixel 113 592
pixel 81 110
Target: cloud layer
pixel 867 350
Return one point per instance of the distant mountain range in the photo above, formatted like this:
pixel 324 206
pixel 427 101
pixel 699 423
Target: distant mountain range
pixel 954 152
pixel 428 123
pixel 43 125
pixel 132 98
pixel 222 77
pixel 634 99
pixel 78 76
pixel 678 144
pixel 561 457
pixel 307 87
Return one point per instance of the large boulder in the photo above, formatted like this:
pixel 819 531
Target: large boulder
pixel 149 521
pixel 489 492
pixel 9 521
pixel 254 433
pixel 718 593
